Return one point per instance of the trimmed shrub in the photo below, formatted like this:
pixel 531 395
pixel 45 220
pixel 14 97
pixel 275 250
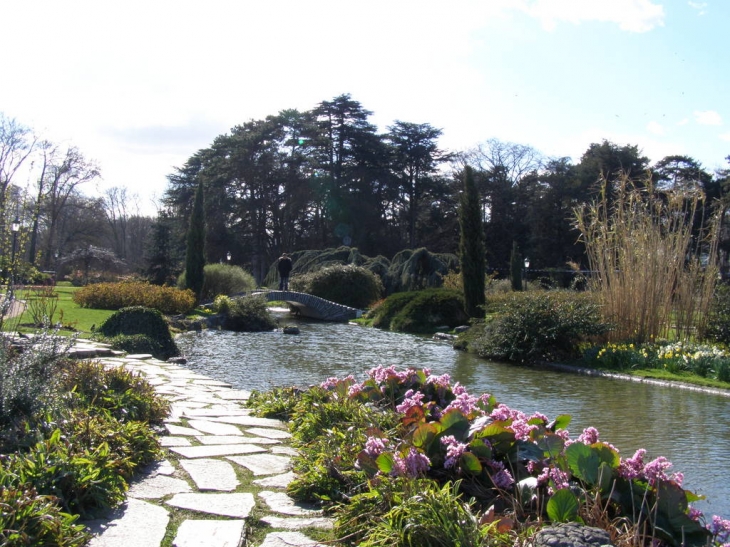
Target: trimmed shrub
pixel 138 320
pixel 352 286
pixel 249 314
pixel 115 296
pixel 412 270
pixel 222 279
pixel 538 325
pixel 420 311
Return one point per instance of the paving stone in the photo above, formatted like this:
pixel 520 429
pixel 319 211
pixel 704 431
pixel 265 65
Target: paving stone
pixel 251 421
pixel 298 523
pixel 137 523
pixel 284 450
pixel 227 505
pixel 217 412
pixel 209 533
pixel 157 486
pixel 139 356
pixel 289 539
pixel 269 433
pixel 209 382
pixel 277 481
pixel 211 451
pixel 280 502
pixel 174 441
pixel 214 428
pixel 162 467
pixel 209 474
pixel 263 464
pixel 234 439
pixel 234 395
pixel 173 429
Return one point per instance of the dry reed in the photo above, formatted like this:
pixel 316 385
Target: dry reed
pixel 654 274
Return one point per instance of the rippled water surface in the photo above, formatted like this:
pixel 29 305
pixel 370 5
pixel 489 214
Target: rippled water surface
pixel 691 429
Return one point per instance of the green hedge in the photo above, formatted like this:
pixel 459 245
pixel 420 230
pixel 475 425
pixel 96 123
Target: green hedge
pixel 420 311
pixel 348 285
pixel 127 325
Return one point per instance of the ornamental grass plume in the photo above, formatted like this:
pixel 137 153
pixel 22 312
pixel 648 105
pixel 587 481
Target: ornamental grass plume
pixel 654 271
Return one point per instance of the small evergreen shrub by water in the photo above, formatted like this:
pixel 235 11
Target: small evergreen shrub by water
pixel 128 325
pixel 222 279
pixel 348 285
pixel 247 314
pixel 420 311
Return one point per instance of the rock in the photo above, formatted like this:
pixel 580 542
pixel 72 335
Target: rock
pixel 461 328
pixel 444 336
pixel 571 534
pixel 290 330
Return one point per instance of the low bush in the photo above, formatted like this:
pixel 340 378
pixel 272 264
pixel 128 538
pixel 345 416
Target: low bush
pixel 222 279
pixel 348 285
pixel 420 311
pixel 717 328
pixel 28 518
pixel 525 327
pixel 140 321
pixel 115 296
pixel 249 314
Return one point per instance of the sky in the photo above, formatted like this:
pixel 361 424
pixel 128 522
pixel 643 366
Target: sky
pixel 140 86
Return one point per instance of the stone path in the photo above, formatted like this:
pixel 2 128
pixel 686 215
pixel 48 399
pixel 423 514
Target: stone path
pixel 226 472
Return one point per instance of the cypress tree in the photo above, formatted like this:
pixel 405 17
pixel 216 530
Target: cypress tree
pixel 195 249
pixel 471 246
pixel 515 268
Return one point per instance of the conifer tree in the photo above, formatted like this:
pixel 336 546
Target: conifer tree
pixel 471 246
pixel 195 249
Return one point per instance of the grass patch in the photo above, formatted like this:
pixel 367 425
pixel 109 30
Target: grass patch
pixel 73 318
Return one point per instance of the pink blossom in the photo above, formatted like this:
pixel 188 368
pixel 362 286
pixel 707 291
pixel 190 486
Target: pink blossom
pixel 695 514
pixel 589 436
pixel 633 467
pixel 354 390
pixel 463 402
pixel 454 450
pixel 440 381
pixel 375 446
pixel 655 470
pixel 560 479
pixel 458 389
pixel 412 398
pixel 381 374
pixel 720 529
pixel 329 383
pixel 413 465
pixel 502 478
pixel 501 413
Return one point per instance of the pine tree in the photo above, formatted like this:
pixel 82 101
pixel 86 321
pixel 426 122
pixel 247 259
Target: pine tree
pixel 195 250
pixel 160 255
pixel 471 247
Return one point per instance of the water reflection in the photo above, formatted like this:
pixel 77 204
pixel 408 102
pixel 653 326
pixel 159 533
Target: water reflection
pixel 691 429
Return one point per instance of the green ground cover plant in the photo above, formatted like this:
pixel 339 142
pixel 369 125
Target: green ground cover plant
pixel 426 449
pixel 72 435
pixel 139 329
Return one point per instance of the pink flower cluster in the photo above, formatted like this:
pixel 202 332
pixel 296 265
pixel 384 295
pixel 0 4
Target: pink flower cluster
pixel 375 446
pixel 415 464
pixel 502 478
pixel 519 420
pixel 454 450
pixel 411 399
pixel 720 529
pixel 654 471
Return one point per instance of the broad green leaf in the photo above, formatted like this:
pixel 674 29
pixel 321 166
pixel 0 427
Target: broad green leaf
pixel 386 462
pixel 480 449
pixel 583 462
pixel 470 462
pixel 561 422
pixel 425 434
pixel 562 506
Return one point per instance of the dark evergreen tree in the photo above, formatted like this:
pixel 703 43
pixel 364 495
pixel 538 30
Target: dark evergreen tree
pixel 515 268
pixel 160 255
pixel 471 247
pixel 195 249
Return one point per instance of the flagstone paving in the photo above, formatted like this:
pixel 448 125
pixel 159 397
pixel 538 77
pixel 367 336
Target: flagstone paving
pixel 199 495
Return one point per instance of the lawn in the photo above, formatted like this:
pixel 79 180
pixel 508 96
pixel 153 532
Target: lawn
pixel 55 303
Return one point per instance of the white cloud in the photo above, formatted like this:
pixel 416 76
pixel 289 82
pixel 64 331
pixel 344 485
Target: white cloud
pixel 683 121
pixel 725 137
pixel 655 127
pixel 630 15
pixel 707 117
pixel 699 6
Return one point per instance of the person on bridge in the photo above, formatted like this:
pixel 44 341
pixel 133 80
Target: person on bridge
pixel 284 267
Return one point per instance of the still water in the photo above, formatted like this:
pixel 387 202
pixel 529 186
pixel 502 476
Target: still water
pixel 689 428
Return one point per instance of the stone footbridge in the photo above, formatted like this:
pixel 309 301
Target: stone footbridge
pixel 308 305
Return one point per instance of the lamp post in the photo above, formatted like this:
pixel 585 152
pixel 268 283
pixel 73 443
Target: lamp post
pixel 524 275
pixel 14 227
pixel 228 257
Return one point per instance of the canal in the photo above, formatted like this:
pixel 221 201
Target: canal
pixel 690 428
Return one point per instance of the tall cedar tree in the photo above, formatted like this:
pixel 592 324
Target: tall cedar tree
pixel 195 250
pixel 471 247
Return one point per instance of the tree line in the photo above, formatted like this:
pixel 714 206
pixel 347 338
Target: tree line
pixel 326 177
pixel 320 179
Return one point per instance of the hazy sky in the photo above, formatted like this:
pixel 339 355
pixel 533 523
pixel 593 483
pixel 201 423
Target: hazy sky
pixel 141 86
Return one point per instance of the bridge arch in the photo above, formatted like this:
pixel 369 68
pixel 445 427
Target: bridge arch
pixel 312 306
